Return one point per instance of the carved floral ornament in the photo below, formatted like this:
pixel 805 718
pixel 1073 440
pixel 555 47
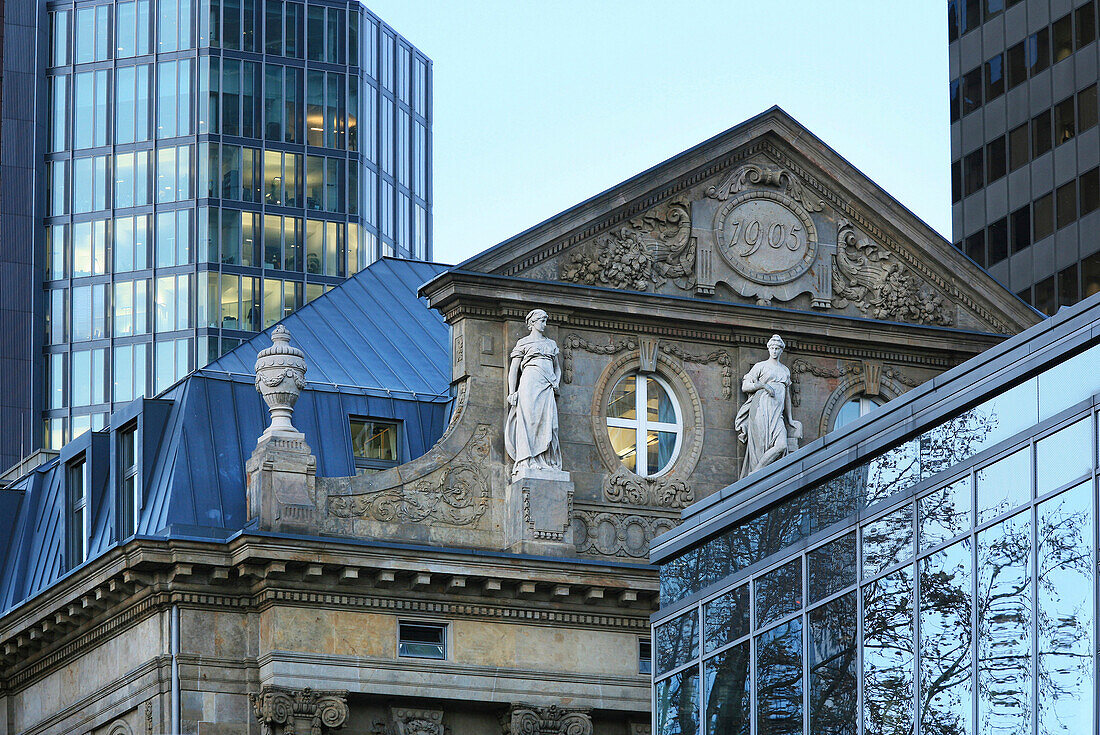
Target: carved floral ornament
pixel 867 275
pixel 604 533
pixel 646 252
pixel 280 711
pixel 553 720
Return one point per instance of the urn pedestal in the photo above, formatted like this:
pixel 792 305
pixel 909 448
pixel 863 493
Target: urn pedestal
pixel 539 509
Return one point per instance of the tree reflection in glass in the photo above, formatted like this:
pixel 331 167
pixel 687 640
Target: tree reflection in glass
pixel 779 680
pixel 779 592
pixel 888 654
pixel 726 618
pixel 945 513
pixel 1004 485
pixel 833 667
pixel 1066 676
pixel 678 704
pixel 832 567
pixel 946 665
pixel 888 541
pixel 1004 626
pixel 727 681
pixel 892 472
pixel 677 641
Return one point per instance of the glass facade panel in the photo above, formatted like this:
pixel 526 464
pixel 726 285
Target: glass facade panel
pixel 832 667
pixel 728 692
pixel 1003 485
pixel 779 680
pixel 888 654
pixel 946 664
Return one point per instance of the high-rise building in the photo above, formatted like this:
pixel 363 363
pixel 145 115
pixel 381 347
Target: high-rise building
pixel 1025 145
pixel 180 174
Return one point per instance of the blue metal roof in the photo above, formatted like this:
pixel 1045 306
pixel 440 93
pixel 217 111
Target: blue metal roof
pixel 373 349
pixel 371 333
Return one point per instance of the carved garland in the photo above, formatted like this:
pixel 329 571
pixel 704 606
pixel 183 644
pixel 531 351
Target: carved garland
pixel 848 389
pixel 458 496
pixel 617 534
pixel 574 342
pixel 721 357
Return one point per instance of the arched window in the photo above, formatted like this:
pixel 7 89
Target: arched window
pixel 642 412
pixel 855 407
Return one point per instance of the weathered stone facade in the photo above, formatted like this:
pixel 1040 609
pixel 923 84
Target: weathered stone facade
pixel 291 625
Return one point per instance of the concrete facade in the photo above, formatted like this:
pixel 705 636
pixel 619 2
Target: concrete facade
pixel 291 624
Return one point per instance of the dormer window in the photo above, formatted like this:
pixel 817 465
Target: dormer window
pixel 374 443
pixel 79 526
pixel 129 480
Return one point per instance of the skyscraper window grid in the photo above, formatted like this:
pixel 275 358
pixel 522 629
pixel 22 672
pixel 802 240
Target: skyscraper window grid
pixel 212 165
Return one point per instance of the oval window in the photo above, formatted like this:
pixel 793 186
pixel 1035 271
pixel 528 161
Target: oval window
pixel 644 424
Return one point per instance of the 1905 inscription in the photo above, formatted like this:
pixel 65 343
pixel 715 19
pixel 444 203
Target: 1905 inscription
pixel 766 237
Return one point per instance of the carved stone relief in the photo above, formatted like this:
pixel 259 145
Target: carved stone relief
pixel 867 275
pixel 666 491
pixel 457 495
pixel 863 372
pixel 552 720
pixel 416 721
pixel 289 711
pixel 617 534
pixel 648 251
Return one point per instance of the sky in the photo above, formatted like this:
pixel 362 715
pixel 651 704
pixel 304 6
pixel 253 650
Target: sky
pixel 540 105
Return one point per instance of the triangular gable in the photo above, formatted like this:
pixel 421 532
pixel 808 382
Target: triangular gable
pixel 764 213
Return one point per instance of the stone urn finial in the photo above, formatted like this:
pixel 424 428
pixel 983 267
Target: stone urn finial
pixel 280 377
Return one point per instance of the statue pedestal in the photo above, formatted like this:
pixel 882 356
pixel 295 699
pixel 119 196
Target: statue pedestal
pixel 539 511
pixel 281 483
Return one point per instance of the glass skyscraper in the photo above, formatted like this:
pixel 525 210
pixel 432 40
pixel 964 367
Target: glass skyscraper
pixel 202 169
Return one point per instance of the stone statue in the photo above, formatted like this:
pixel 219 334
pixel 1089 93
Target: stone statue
pixel 765 421
pixel 531 429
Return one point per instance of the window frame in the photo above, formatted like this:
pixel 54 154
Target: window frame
pixel 444 627
pixel 365 463
pixel 78 540
pixel 641 423
pixel 130 500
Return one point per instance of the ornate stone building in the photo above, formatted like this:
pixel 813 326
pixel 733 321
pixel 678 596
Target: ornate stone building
pixel 385 572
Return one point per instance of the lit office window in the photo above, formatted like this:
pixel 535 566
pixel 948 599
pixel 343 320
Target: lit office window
pixel 374 442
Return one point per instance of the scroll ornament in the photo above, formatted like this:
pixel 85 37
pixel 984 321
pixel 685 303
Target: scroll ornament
pixel 279 711
pixel 866 275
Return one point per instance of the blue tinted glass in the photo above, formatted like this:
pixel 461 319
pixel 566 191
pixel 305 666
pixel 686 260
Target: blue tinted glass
pixel 1003 485
pixel 887 541
pixel 727 680
pixel 779 680
pixel 677 641
pixel 1004 625
pixel 1066 618
pixel 945 513
pixel 1069 382
pixel 779 592
pixel 946 675
pixel 1063 456
pixel 888 653
pixel 832 567
pixel 726 618
pixel 678 704
pixel 892 472
pixel 832 663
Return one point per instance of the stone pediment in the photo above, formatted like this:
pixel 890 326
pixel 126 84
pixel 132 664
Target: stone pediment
pixel 764 214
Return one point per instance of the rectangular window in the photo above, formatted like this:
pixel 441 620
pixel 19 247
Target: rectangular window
pixel 132 29
pixel 1063 37
pixel 59 38
pixel 1020 229
pixel 1043 216
pixel 1045 300
pixel 1017 67
pixel 79 511
pixel 1090 275
pixel 1086 108
pixel 1019 147
pixel 994 78
pixel 1040 134
pixel 374 443
pixel 995 160
pixel 59 112
pixel 1086 24
pixel 973 172
pixel 952 20
pixel 1066 195
pixel 422 640
pixel 130 485
pixel 1067 286
pixel 1090 191
pixel 1038 51
pixel 174 98
pixel 975 248
pixel 645 656
pixel 1064 121
pixel 997 241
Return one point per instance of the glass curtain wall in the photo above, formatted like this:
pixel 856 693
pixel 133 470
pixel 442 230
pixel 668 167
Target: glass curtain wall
pixel 961 599
pixel 212 166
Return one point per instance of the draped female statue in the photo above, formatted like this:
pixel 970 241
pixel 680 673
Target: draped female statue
pixel 531 429
pixel 765 420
